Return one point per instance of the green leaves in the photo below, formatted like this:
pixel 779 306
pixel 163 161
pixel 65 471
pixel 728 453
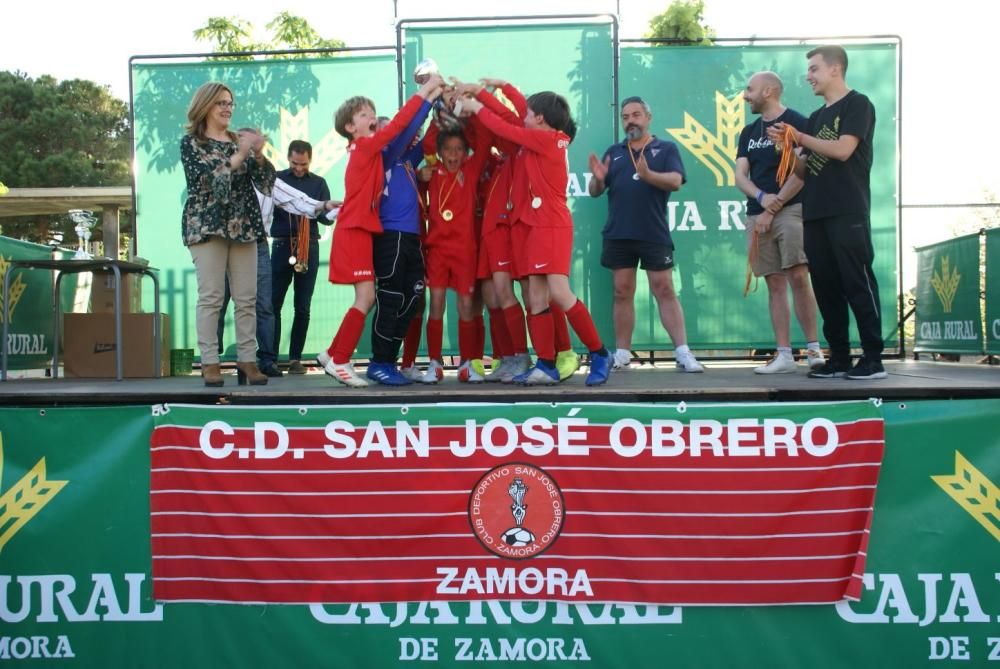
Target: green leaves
pixel 233 34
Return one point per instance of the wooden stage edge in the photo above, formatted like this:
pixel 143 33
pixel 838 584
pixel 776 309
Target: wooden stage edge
pixel 722 382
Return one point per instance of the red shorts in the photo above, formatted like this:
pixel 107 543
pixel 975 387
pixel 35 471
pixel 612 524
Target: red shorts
pixel 548 250
pixel 351 256
pixel 450 266
pixel 495 253
pixel 519 244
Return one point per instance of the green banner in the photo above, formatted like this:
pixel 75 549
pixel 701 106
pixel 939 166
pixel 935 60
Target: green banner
pixel 30 310
pixel 992 271
pixel 75 580
pixel 288 100
pixel 949 316
pixel 696 96
pixel 698 92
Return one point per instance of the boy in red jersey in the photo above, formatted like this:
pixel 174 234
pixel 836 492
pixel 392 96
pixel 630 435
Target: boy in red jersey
pixel 450 236
pixel 351 251
pixel 539 199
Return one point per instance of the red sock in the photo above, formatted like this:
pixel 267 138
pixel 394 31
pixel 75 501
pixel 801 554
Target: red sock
pixel 480 340
pixel 499 335
pixel 435 333
pixel 467 339
pixel 346 339
pixel 583 326
pixel 515 328
pixel 412 341
pixel 542 337
pixel 560 328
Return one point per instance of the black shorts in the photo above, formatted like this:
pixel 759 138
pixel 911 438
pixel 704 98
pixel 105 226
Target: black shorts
pixel 627 253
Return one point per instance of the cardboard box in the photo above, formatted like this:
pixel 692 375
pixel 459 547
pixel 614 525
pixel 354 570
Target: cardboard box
pixel 102 293
pixel 89 345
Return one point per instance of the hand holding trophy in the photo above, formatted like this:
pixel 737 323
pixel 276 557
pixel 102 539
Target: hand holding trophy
pixel 422 73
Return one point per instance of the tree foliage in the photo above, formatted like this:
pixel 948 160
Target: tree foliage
pixel 286 31
pixel 683 20
pixel 59 134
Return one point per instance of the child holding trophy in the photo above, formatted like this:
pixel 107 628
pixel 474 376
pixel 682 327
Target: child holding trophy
pixel 351 259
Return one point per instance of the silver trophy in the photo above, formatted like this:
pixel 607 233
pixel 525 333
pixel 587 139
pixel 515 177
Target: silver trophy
pixel 518 535
pixel 85 222
pixel 444 117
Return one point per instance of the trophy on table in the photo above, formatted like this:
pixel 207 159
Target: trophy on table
pixel 445 118
pixel 85 222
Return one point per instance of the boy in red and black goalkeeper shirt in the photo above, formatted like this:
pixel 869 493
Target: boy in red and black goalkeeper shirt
pixel 539 198
pixel 451 243
pixel 351 252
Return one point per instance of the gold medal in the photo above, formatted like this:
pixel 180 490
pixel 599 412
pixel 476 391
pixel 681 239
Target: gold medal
pixel 447 214
pixel 536 202
pixel 300 267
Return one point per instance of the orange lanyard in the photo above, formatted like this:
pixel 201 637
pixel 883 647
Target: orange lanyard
pixel 413 180
pixel 442 199
pixel 635 165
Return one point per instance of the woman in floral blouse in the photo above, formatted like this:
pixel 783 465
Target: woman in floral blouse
pixel 222 224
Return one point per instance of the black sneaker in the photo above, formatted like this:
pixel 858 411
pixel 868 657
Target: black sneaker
pixel 866 369
pixel 270 370
pixel 830 370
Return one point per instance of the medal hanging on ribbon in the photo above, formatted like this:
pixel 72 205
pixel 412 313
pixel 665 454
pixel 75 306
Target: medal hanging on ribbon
pixel 635 165
pixel 446 214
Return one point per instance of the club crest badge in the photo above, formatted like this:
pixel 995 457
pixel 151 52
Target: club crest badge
pixel 516 511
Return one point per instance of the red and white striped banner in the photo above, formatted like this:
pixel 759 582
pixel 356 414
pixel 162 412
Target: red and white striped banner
pixel 610 505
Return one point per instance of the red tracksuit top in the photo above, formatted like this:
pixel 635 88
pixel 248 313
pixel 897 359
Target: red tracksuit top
pixel 540 170
pixel 364 177
pixel 499 190
pixel 455 192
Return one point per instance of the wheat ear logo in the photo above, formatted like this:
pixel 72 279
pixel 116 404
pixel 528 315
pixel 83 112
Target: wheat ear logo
pixel 325 153
pixel 24 499
pixel 715 151
pixel 945 284
pixel 17 287
pixel 974 492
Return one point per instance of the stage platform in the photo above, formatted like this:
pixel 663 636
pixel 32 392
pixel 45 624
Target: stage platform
pixel 723 381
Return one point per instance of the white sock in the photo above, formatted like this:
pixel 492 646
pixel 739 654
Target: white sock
pixel 682 350
pixel 813 345
pixel 785 351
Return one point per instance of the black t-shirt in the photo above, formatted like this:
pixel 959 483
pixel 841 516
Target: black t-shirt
pixel 834 187
pixel 764 158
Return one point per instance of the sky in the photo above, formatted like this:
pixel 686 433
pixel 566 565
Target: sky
pixel 949 152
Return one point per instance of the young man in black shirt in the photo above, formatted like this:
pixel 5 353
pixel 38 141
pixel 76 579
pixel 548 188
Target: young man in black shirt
pixel 836 161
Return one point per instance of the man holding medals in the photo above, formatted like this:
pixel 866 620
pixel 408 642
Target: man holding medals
pixel 639 175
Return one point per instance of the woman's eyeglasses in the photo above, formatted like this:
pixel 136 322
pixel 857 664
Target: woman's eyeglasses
pixel 225 104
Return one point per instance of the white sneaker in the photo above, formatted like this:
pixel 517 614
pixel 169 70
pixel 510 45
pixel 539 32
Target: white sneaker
pixel 622 359
pixel 688 363
pixel 518 365
pixel 815 357
pixel 412 373
pixel 495 375
pixel 467 373
pixel 344 373
pixel 779 364
pixel 434 373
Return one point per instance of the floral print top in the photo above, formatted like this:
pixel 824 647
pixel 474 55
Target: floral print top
pixel 221 202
